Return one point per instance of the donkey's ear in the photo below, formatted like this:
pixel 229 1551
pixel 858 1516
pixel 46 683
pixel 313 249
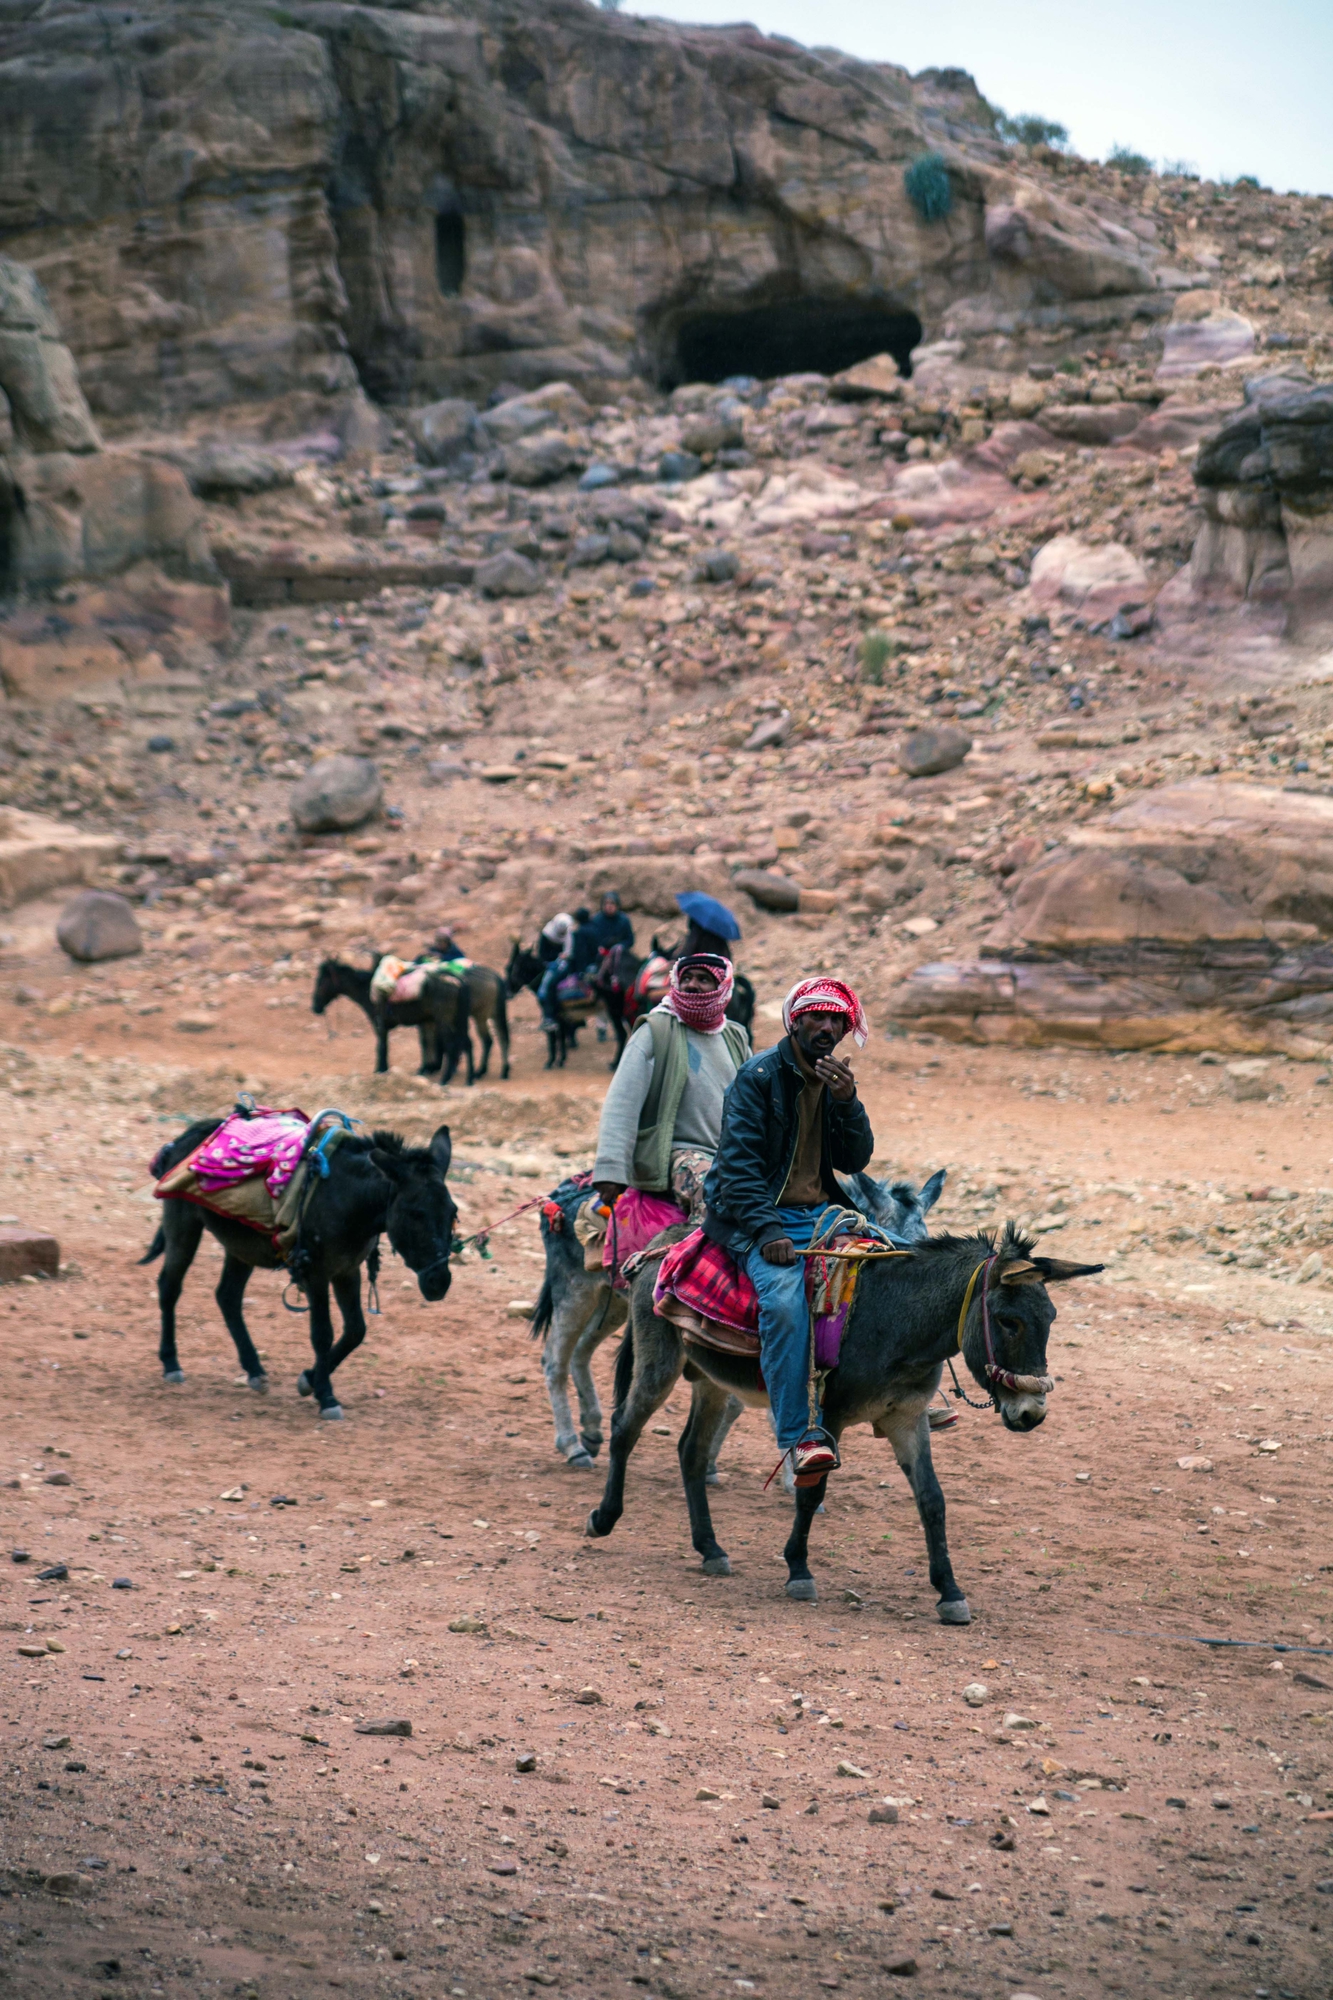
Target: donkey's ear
pixel 932 1189
pixel 389 1164
pixel 1055 1270
pixel 442 1149
pixel 1021 1272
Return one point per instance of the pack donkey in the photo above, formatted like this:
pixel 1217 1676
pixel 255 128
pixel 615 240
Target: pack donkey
pixel 908 1317
pixel 577 1309
pixel 376 1185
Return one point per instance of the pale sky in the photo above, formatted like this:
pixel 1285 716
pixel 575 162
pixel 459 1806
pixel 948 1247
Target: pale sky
pixel 1228 86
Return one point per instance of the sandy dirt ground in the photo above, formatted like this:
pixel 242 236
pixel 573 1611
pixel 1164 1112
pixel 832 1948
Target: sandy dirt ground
pixel 191 1806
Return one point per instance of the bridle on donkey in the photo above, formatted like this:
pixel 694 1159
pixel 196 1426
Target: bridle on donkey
pixel 999 1378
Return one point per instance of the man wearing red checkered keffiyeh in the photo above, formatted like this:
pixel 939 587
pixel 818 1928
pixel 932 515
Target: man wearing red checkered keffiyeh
pixel 791 1122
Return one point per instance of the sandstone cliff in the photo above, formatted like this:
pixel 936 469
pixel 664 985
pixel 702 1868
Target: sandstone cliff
pixel 237 204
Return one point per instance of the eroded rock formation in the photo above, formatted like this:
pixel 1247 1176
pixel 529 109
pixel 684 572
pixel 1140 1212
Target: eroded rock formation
pixel 240 205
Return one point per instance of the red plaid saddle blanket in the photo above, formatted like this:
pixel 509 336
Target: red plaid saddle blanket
pixel 710 1298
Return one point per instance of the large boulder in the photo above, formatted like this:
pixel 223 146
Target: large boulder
pixel 97 925
pixel 1265 479
pixel 336 794
pixel 768 889
pixel 38 855
pixel 1091 423
pixel 1199 916
pixel 1093 582
pixel 225 470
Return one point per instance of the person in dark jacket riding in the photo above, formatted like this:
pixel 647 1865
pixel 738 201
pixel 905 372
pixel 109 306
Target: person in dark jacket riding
pixel 791 1118
pixel 611 926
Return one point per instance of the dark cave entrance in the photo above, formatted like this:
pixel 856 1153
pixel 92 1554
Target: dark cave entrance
pixel 790 337
pixel 450 253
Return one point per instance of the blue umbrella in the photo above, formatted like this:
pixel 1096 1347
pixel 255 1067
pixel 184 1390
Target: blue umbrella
pixel 708 913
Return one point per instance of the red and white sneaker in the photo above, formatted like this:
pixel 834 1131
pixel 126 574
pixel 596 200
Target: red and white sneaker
pixel 812 1458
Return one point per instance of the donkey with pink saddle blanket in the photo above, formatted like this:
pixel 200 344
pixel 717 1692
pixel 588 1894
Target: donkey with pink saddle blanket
pixel 350 1188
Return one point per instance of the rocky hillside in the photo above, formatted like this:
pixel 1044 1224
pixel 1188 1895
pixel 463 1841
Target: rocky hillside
pixel 1002 683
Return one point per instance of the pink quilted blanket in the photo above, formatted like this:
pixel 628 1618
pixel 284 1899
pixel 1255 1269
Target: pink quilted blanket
pixel 270 1144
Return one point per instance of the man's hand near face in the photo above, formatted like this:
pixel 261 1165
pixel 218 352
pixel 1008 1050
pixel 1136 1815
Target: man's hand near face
pixel 837 1074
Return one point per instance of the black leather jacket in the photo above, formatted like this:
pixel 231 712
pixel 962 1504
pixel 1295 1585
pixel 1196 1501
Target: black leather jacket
pixel 757 1145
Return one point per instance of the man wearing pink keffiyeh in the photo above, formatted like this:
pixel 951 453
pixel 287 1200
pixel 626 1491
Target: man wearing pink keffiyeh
pixel 792 1119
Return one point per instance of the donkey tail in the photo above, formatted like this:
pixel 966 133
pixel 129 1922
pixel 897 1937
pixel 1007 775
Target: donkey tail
pixel 624 1376
pixel 544 1311
pixel 156 1247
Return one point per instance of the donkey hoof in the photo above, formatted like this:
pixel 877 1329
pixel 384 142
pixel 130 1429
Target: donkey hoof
pixel 579 1461
pixel 716 1566
pixel 332 1413
pixel 303 1385
pixel 173 1374
pixel 259 1383
pixel 712 1477
pixel 591 1445
pixel 802 1588
pixel 953 1613
pixel 592 1530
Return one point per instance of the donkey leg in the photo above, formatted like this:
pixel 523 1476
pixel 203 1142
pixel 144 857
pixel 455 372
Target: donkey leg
pixel 381 1046
pixel 709 1421
pixel 658 1360
pixel 608 1317
pixel 315 1381
pixel 733 1410
pixel 800 1583
pixel 911 1448
pixel 230 1295
pixel 182 1226
pixel 579 1301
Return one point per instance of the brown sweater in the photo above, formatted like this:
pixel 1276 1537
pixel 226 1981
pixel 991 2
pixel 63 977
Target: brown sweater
pixel 804 1188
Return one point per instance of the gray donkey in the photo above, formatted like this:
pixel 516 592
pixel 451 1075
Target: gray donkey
pixel 908 1316
pixel 577 1309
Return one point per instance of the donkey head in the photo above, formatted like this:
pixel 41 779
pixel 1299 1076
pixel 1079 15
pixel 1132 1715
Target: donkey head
pixel 421 1214
pixel 523 969
pixel 1004 1342
pixel 326 986
pixel 896 1206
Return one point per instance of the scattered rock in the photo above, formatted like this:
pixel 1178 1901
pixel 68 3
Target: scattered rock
pixel 588 1697
pixel 63 1884
pixel 336 794
pixel 540 461
pixel 718 429
pixel 883 1815
pixel 770 1801
pixel 675 466
pixel 97 924
pixel 468 1624
pixel 195 1024
pixel 770 733
pixel 31 1651
pixel 1015 1721
pixel 976 1694
pixel 526 1760
pixel 398 1726
pixel 928 751
pixel 848 1770
pixel 224 471
pixel 1195 1462
pixel 58 1478
pixel 902 1967
pixel 769 891
pixel 508 574
pixel 26 1253
pixel 718 566
pixel 442 431
pixel 54 1573
pixel 1039 1808
pixel 868 381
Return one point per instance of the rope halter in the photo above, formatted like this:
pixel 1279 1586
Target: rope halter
pixel 999 1378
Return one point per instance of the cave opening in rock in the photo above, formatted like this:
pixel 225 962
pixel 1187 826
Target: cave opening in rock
pixel 450 253
pixel 789 337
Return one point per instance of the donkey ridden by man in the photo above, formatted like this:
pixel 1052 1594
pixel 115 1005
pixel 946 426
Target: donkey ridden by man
pixel 658 1134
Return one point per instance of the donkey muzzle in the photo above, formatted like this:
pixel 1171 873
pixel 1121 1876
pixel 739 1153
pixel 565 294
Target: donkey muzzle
pixel 435 1279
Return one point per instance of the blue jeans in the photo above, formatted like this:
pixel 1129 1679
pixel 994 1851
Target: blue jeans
pixel 785 1342
pixel 546 991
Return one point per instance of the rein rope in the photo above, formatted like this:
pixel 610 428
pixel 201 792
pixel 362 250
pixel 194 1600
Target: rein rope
pixel 481 1236
pixel 999 1378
